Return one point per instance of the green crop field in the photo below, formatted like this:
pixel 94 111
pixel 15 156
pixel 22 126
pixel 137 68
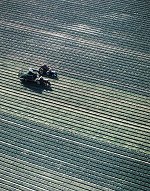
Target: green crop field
pixel 91 131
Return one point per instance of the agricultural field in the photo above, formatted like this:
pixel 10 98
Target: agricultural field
pixel 91 131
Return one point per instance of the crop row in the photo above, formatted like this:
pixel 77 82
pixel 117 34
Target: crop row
pixel 55 123
pixel 89 108
pixel 95 107
pixel 133 81
pixel 125 88
pixel 91 132
pixel 124 106
pixel 53 153
pixel 72 151
pixel 31 147
pixel 77 124
pixel 100 38
pixel 80 65
pixel 53 179
pixel 83 142
pixel 28 38
pixel 134 144
pixel 116 107
pixel 67 108
pixel 48 162
pixel 74 105
pixel 124 97
pixel 69 73
pixel 67 15
pixel 63 109
pixel 92 70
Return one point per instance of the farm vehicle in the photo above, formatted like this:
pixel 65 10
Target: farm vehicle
pixel 32 77
pixel 46 71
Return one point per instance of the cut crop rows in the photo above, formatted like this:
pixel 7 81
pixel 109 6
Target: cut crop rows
pixel 92 130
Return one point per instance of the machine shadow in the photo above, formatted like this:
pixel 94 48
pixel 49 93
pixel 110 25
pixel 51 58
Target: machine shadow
pixel 36 88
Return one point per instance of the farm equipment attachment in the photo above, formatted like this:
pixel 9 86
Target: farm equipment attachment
pixel 46 71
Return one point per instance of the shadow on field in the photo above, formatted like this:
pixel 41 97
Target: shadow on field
pixel 36 88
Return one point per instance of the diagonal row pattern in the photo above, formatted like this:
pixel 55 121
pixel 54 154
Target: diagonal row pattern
pixel 92 131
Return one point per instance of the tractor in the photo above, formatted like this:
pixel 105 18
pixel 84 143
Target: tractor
pixel 33 77
pixel 46 71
